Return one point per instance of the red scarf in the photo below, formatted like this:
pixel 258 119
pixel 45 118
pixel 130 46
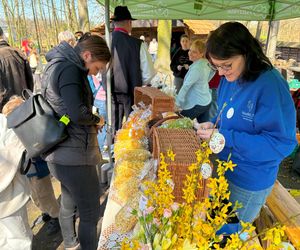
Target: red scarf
pixel 121 30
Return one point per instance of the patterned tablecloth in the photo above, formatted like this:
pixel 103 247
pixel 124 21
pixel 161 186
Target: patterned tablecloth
pixel 110 238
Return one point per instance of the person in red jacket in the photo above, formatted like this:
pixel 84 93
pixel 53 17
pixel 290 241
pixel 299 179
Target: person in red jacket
pixel 213 85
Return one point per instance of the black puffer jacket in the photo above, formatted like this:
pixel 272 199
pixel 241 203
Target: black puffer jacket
pixel 15 73
pixel 69 93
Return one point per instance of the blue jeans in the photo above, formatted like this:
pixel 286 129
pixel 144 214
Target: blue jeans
pixel 199 112
pixel 101 105
pixel 252 201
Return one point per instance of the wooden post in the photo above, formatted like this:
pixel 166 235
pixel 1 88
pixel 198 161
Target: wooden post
pixel 287 211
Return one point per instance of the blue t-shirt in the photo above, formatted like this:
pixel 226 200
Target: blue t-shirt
pixel 259 126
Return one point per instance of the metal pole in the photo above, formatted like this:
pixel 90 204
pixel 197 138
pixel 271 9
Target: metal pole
pixel 108 83
pixel 271 17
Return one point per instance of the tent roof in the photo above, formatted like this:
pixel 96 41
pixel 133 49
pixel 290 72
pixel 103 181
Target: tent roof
pixel 211 9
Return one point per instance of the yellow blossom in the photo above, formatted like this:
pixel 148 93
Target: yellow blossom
pixel 171 155
pixel 193 225
pixel 247 227
pixel 187 245
pixel 165 243
pixel 229 165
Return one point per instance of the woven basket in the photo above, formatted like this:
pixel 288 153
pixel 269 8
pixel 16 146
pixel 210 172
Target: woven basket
pixel 160 101
pixel 184 143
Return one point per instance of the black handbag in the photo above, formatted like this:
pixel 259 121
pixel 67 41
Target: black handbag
pixel 37 125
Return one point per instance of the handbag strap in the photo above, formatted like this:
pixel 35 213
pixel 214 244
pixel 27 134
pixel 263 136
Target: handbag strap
pixel 26 94
pixel 24 163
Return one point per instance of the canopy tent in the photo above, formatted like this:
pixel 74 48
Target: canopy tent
pixel 247 10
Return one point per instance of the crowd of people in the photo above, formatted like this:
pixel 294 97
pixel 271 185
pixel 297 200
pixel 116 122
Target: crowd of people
pixel 230 87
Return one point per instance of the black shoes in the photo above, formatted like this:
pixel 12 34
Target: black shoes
pixel 46 217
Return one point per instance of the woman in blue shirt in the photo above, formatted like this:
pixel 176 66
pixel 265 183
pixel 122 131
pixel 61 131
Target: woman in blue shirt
pixel 194 97
pixel 258 121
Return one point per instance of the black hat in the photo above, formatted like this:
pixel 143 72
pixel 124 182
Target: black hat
pixel 121 13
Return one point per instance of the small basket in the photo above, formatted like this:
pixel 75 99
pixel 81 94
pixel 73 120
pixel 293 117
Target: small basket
pixel 184 143
pixel 160 101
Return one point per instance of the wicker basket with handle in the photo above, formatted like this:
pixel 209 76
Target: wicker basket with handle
pixel 184 143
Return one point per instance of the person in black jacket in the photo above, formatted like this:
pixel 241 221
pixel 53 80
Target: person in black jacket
pixel 73 162
pixel 132 65
pixel 15 72
pixel 180 62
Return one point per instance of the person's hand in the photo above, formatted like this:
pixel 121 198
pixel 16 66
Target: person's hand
pixel 205 130
pixel 186 66
pixel 101 123
pixel 179 67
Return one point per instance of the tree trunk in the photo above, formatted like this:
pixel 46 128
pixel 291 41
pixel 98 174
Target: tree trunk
pixel 8 21
pixel 36 24
pixel 55 21
pixel 162 63
pixel 46 37
pixel 24 19
pixel 68 14
pixel 74 16
pixel 258 30
pixel 53 37
pixel 272 39
pixel 18 26
pixel 84 23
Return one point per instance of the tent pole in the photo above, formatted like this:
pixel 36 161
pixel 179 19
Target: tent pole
pixel 108 83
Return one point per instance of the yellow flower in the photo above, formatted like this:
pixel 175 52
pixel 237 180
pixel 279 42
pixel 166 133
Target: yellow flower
pixel 165 243
pixel 156 240
pixel 234 242
pixel 193 167
pixel 187 245
pixel 174 239
pixel 247 227
pixel 171 155
pixel 229 165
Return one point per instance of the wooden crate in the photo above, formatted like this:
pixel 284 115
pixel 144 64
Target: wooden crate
pixel 160 101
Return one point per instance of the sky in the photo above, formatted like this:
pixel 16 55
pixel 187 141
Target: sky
pixel 96 11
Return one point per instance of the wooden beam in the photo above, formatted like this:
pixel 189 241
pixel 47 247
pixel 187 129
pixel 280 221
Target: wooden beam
pixel 287 211
pixel 264 221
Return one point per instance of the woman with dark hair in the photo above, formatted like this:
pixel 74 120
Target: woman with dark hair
pixel 73 162
pixel 256 116
pixel 180 62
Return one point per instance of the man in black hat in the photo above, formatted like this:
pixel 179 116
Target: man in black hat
pixel 15 72
pixel 132 65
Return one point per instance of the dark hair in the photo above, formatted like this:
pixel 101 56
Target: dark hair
pixel 232 39
pixel 79 33
pixel 96 45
